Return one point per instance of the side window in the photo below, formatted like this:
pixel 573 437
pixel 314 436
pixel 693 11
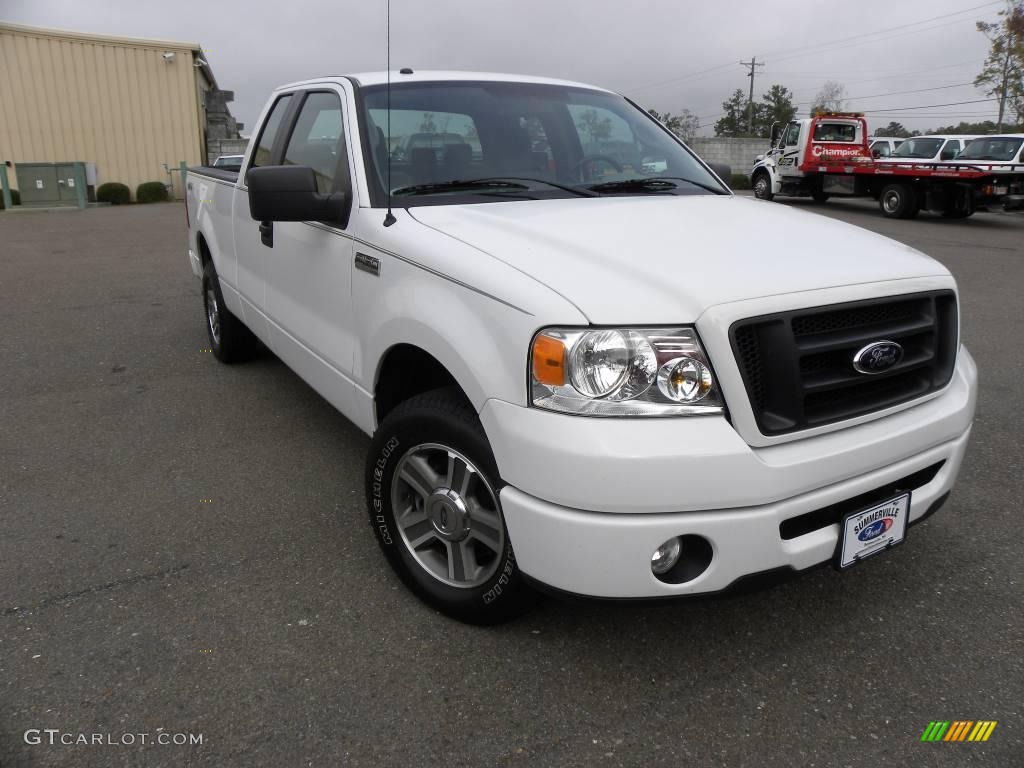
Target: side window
pixel 268 135
pixel 791 135
pixel 882 148
pixel 318 140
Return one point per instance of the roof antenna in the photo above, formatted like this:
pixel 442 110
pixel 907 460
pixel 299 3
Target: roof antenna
pixel 389 217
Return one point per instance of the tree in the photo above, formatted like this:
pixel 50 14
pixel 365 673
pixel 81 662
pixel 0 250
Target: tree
pixel 734 121
pixel 599 128
pixel 974 129
pixel 684 125
pixel 896 130
pixel 1001 73
pixel 831 98
pixel 776 107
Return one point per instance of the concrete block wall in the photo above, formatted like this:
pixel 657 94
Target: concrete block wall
pixel 738 154
pixel 217 147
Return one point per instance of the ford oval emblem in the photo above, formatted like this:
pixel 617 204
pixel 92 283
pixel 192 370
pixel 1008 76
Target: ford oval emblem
pixel 877 357
pixel 875 529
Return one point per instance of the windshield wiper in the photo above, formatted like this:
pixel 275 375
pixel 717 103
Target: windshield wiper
pixel 457 185
pixel 575 190
pixel 502 183
pixel 652 184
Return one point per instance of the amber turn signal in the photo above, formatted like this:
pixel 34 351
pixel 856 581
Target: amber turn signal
pixel 548 361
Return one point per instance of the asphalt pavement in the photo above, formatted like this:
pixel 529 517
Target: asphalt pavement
pixel 185 550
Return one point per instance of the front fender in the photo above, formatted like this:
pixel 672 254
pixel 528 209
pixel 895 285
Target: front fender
pixel 481 341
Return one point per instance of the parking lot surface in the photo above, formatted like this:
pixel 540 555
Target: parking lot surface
pixel 185 550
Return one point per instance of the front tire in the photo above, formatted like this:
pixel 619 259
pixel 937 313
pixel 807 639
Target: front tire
pixel 432 487
pixel 763 186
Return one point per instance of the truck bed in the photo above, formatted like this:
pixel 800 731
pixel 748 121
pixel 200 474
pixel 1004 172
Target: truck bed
pixel 215 173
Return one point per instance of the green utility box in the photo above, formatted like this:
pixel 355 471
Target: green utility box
pixel 52 184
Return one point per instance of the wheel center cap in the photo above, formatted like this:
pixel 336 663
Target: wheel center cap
pixel 447 512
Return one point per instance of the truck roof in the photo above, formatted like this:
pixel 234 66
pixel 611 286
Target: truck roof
pixel 380 78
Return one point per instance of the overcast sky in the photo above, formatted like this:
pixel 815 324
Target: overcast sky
pixel 655 51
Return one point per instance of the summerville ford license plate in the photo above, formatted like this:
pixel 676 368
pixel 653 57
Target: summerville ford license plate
pixel 873 530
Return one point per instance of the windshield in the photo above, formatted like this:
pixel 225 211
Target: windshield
pixel 991 149
pixel 921 149
pixel 508 141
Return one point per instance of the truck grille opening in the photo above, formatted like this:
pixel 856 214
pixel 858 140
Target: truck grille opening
pixel 834 514
pixel 797 366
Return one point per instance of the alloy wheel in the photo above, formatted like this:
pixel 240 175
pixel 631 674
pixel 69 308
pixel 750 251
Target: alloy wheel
pixel 448 515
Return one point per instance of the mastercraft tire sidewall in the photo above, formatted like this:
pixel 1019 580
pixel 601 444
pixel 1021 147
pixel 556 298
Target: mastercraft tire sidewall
pixel 391 442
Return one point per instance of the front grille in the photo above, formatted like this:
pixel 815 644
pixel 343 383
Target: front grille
pixel 798 369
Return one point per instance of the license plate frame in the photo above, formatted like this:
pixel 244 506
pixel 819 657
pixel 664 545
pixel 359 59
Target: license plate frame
pixel 851 549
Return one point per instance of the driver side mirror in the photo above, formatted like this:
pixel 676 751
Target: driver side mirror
pixel 876 153
pixel 289 193
pixel 774 139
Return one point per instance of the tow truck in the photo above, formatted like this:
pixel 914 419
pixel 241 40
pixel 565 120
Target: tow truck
pixel 828 154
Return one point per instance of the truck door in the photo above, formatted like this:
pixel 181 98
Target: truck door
pixel 790 146
pixel 251 259
pixel 309 275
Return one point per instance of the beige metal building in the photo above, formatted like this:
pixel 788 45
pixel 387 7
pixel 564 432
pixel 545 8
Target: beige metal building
pixel 128 105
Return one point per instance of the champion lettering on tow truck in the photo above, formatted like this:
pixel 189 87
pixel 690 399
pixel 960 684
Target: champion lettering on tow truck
pixel 829 154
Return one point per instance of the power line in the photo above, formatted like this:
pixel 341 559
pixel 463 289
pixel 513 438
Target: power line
pixel 831 48
pixel 825 44
pixel 925 106
pixel 891 93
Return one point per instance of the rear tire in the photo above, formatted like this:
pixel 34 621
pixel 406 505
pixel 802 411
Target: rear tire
pixel 898 201
pixel 433 492
pixel 820 197
pixel 230 340
pixel 763 186
pixel 961 206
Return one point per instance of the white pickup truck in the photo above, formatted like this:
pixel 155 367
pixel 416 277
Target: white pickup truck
pixel 585 364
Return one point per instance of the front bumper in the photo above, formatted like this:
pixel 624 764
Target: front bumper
pixel 644 481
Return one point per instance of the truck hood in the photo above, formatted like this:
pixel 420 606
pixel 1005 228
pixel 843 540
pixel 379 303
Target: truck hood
pixel 665 259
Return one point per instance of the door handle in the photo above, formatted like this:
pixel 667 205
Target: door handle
pixel 267 233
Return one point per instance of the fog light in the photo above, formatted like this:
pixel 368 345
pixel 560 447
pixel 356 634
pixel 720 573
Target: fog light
pixel 666 556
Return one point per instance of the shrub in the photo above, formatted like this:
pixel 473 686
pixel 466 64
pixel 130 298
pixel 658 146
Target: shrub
pixel 113 193
pixel 15 198
pixel 739 181
pixel 152 192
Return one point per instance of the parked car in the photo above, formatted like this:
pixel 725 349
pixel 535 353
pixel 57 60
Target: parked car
pixel 930 149
pixel 1005 149
pixel 229 162
pixel 608 382
pixel 884 146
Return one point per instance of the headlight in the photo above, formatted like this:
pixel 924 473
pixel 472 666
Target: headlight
pixel 622 372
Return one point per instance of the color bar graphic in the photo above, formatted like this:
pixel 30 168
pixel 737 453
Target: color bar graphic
pixel 958 730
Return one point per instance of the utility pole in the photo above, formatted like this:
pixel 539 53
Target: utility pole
pixel 753 64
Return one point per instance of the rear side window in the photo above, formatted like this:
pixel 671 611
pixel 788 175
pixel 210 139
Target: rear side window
pixel 835 132
pixel 318 139
pixel 268 135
